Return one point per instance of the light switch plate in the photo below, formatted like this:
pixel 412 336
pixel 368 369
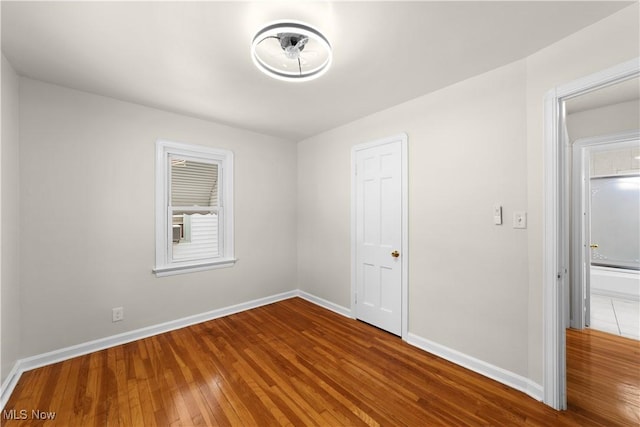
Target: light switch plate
pixel 519 219
pixel 497 214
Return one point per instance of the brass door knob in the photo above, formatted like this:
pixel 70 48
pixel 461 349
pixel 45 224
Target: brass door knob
pixel 593 245
pixel 395 254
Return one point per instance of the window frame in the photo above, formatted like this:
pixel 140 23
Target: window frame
pixel 165 266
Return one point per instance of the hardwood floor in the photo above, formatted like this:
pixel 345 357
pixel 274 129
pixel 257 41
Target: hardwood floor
pixel 294 363
pixel 603 377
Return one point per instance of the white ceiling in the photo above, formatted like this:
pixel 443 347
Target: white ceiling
pixel 193 57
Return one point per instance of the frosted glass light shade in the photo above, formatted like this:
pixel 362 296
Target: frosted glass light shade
pixel 291 51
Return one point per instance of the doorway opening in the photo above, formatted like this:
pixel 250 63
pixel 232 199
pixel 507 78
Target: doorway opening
pixel 557 271
pixel 605 226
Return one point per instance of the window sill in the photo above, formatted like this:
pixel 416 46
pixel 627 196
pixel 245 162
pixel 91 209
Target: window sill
pixel 192 268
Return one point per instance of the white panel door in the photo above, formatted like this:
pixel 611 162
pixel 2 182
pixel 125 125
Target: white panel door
pixel 378 217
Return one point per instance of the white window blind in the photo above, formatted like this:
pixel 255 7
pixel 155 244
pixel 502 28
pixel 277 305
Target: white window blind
pixel 193 183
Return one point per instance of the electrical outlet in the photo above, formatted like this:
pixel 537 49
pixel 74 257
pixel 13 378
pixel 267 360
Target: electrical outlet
pixel 117 314
pixel 519 220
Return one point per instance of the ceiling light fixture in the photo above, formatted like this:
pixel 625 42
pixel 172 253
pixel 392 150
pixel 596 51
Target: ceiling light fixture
pixel 291 51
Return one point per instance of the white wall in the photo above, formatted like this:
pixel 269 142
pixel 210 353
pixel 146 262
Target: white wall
pixel 605 120
pixel 86 189
pixel 87 209
pixel 10 243
pixel 467 277
pixel 474 287
pixel 602 45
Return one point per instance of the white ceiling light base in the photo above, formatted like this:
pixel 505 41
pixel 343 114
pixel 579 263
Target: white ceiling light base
pixel 291 51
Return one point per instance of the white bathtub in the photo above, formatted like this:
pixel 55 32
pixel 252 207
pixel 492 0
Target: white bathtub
pixel 615 282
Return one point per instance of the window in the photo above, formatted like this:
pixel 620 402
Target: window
pixel 194 208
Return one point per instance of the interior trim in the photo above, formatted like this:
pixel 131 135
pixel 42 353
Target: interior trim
pixel 9 384
pixel 344 311
pixel 44 359
pixel 481 367
pixel 555 224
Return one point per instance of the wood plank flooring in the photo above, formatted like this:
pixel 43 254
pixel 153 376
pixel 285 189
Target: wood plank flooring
pixel 294 363
pixel 603 377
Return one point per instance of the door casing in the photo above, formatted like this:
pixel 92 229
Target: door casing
pixel 556 243
pixel 403 139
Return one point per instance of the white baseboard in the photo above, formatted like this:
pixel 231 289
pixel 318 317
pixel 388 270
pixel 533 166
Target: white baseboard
pixel 481 367
pixel 9 384
pixel 346 312
pixel 501 375
pixel 37 361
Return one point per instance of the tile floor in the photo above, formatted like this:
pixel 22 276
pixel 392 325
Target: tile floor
pixel 615 316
